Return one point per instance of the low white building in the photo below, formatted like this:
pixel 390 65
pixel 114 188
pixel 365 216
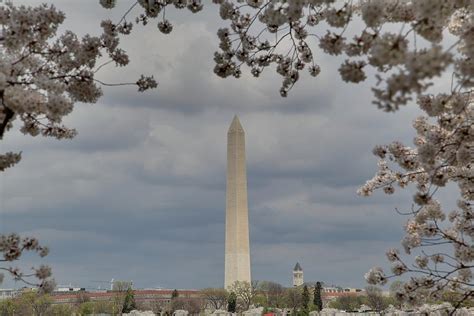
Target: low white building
pixel 69 289
pixel 8 293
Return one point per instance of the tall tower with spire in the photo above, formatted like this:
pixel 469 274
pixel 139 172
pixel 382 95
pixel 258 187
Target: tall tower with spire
pixel 298 275
pixel 237 253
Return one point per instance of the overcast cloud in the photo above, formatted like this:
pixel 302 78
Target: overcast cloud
pixel 139 194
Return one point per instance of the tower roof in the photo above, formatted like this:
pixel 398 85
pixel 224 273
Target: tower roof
pixel 235 126
pixel 297 267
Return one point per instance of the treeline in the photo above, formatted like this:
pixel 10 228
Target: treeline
pixel 32 303
pixel 305 299
pixel 375 301
pixel 240 297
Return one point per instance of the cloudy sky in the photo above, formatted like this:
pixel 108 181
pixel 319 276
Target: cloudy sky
pixel 139 194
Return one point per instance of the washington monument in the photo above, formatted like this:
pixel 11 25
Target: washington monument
pixel 237 254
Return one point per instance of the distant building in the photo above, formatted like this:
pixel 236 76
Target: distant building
pixel 8 293
pixel 121 285
pixel 298 275
pixel 353 290
pixel 63 289
pixel 333 289
pixel 163 296
pixel 330 292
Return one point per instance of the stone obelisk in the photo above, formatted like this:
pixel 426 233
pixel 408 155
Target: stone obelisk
pixel 237 254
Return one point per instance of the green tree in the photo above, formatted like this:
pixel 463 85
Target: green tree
pixel 305 299
pixel 175 302
pixel 60 310
pixel 174 294
pixel 33 303
pixel 347 302
pixel 274 292
pixel 87 308
pixel 129 302
pixel 260 299
pixel 104 307
pixel 92 308
pixel 232 302
pixel 42 304
pixel 7 307
pixel 317 299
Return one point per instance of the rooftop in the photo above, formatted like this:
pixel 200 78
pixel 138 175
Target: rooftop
pixel 297 267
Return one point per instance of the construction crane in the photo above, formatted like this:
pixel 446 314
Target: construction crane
pixel 111 282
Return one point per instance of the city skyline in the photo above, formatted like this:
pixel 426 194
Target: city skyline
pixel 139 194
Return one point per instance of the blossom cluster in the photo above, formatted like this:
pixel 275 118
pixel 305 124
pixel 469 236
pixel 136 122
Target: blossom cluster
pixel 443 154
pixel 154 9
pixel 42 74
pixel 289 39
pixel 12 247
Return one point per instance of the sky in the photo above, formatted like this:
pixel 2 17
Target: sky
pixel 139 194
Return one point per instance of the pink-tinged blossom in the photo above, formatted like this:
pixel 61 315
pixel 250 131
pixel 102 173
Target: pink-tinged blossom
pixel 392 254
pixel 352 71
pixel 388 50
pixel 376 276
pixel 332 43
pixel 165 27
pixel 12 246
pixel 42 74
pixel 108 4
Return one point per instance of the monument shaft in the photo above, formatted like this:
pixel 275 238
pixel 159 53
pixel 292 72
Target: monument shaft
pixel 237 254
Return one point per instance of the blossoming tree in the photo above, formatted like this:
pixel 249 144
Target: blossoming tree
pixel 40 80
pixel 42 76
